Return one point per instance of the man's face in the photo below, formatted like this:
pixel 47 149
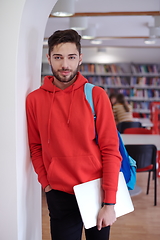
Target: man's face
pixel 64 60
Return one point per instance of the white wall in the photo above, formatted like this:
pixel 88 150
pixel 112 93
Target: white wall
pixel 120 55
pixel 8 49
pixel 22 29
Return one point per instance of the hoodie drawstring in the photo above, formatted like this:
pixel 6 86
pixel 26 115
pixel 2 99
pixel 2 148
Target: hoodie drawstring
pixel 70 107
pixel 50 115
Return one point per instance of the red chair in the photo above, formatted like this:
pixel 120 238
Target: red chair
pixel 137 131
pixel 139 115
pixel 121 126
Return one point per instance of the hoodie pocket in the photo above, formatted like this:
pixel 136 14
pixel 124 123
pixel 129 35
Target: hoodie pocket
pixel 66 172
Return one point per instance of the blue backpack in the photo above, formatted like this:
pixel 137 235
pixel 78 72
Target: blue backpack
pixel 128 166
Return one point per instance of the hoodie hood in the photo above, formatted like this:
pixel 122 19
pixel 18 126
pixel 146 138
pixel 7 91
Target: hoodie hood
pixel 49 86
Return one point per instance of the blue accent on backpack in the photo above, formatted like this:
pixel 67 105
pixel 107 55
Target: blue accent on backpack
pixel 128 166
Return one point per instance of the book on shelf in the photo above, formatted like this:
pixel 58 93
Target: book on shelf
pixel 144 68
pixel 125 81
pixel 145 81
pixel 155 81
pixel 113 81
pixel 113 68
pixel 141 106
pixel 155 69
pixel 144 94
pixel 157 94
pixel 107 68
pixel 101 68
pixel 125 92
pixel 87 67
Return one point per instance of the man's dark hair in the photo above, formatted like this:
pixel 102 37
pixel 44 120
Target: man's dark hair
pixel 64 36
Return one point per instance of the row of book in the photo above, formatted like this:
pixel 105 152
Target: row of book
pixel 110 81
pixel 145 81
pixel 98 80
pixel 118 69
pixel 141 105
pixel 137 94
pixel 144 68
pixel 101 68
pixel 125 81
pixel 145 93
pixel 110 69
pixel 87 68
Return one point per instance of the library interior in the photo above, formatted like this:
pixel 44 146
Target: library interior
pixel 121 54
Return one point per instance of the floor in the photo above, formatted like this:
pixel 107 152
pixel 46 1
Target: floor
pixel 142 224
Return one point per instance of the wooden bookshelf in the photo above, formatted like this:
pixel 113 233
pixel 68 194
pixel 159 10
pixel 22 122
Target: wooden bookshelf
pixel 140 83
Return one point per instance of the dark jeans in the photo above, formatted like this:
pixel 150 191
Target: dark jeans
pixel 65 219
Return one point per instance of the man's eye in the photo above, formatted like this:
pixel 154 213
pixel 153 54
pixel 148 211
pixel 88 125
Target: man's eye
pixel 57 58
pixel 72 57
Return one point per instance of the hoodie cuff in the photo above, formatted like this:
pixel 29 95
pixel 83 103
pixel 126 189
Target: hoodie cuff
pixel 44 182
pixel 109 197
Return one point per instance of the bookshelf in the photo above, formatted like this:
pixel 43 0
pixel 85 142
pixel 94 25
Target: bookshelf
pixel 140 83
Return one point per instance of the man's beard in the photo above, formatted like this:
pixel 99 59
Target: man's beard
pixel 63 79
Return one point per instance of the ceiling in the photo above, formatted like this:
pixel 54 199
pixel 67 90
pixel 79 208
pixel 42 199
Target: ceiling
pixel 118 23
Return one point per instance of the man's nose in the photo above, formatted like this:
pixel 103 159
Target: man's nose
pixel 65 63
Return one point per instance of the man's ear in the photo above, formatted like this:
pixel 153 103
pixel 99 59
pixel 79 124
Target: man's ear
pixel 49 59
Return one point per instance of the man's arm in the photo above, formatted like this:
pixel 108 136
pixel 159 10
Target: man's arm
pixel 35 144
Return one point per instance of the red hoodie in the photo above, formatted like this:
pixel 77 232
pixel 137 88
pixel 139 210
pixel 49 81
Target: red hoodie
pixel 62 137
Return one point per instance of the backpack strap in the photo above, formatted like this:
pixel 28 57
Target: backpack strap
pixel 128 166
pixel 88 87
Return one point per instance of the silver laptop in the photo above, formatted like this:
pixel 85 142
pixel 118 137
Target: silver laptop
pixel 89 198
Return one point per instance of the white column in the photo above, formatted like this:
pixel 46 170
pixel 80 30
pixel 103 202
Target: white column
pixel 22 24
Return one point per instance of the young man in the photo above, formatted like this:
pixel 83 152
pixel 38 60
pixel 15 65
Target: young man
pixel 64 152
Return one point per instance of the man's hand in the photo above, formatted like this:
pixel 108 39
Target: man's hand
pixel 106 216
pixel 48 188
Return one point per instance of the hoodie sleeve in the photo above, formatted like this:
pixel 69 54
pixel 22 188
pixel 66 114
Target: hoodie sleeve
pixel 108 144
pixel 35 142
